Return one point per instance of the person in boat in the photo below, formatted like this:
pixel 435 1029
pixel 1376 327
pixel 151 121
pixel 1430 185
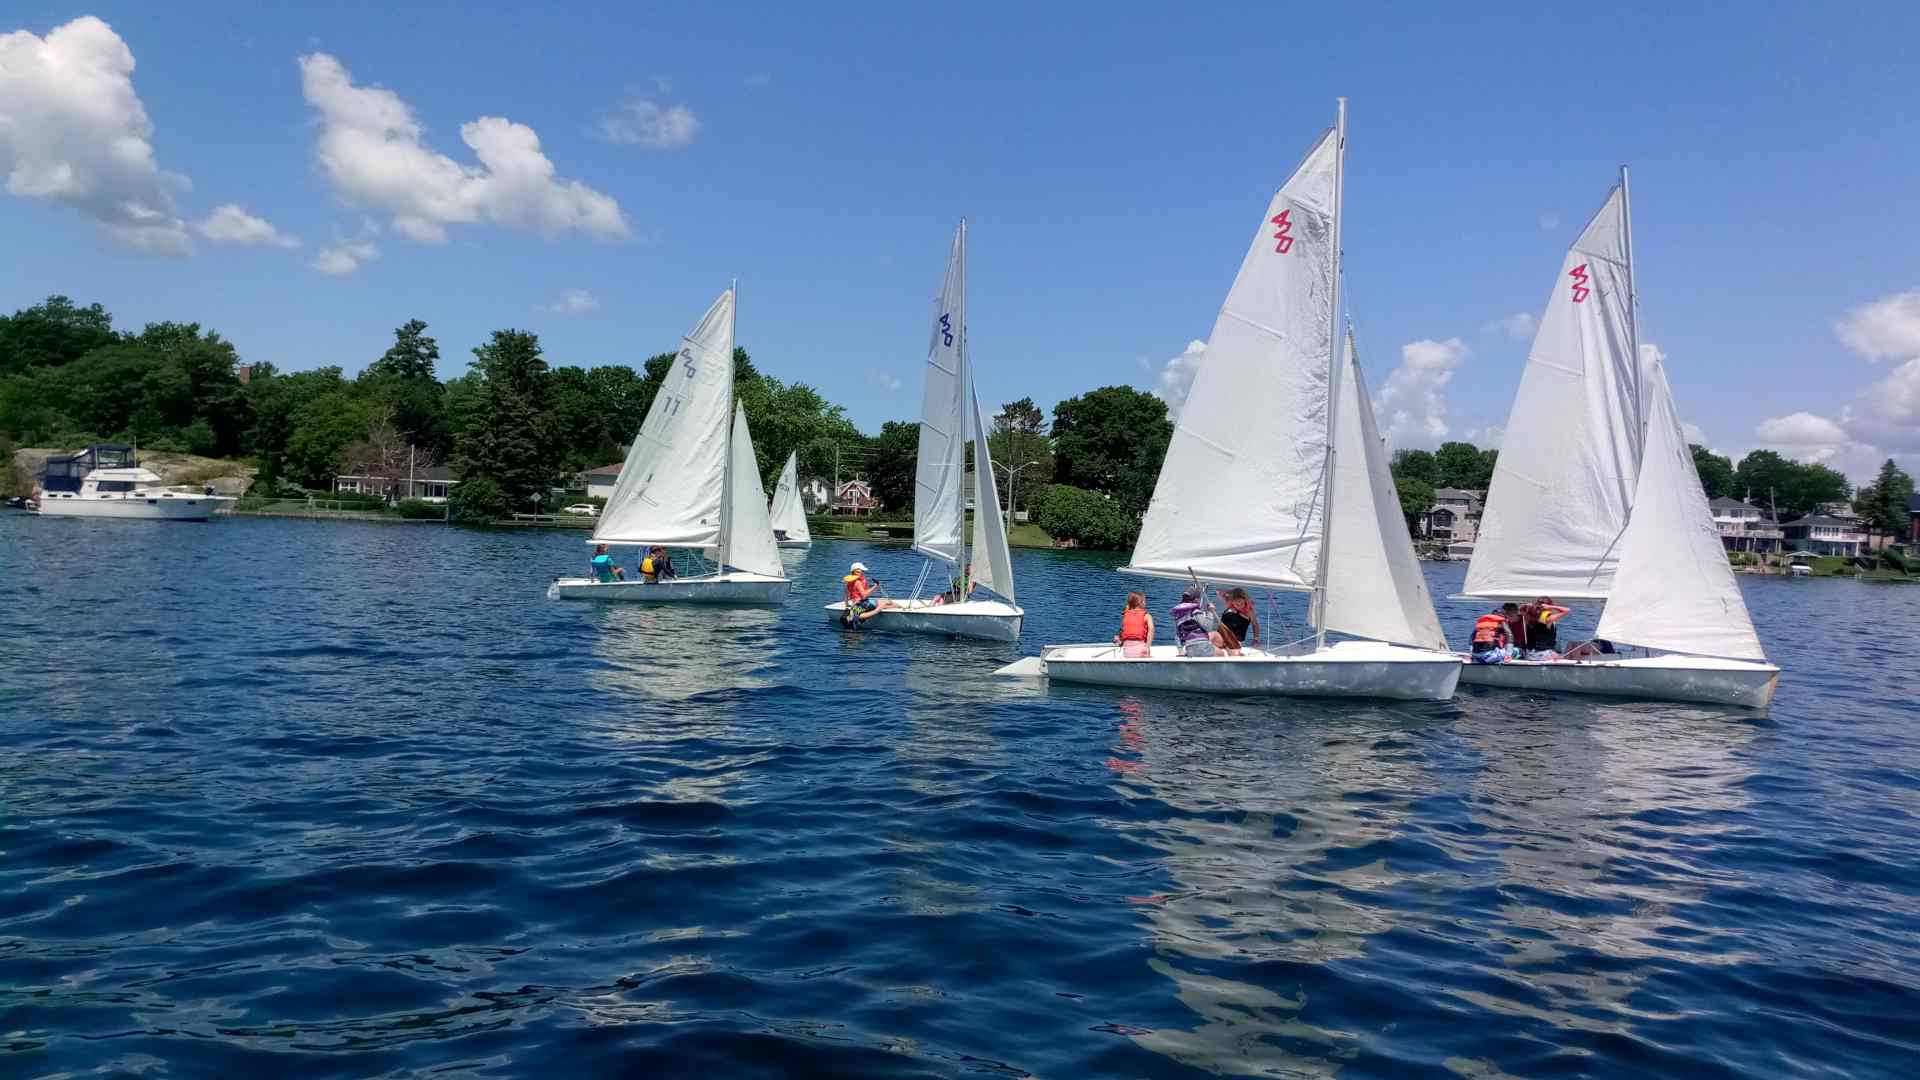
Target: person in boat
pixel 1194 623
pixel 861 604
pixel 1543 639
pixel 1136 628
pixel 602 567
pixel 1491 642
pixel 1516 629
pixel 1239 626
pixel 656 565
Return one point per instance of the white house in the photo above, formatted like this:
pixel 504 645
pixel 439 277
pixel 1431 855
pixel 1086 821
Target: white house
pixel 600 481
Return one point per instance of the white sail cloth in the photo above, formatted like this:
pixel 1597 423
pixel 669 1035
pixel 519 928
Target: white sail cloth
pixel 1570 461
pixel 1674 589
pixel 789 515
pixel 939 505
pixel 747 539
pixel 670 489
pixel 1375 588
pixel 992 562
pixel 1239 496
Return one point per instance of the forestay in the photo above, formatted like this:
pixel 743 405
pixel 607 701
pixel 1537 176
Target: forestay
pixel 992 562
pixel 1375 588
pixel 938 503
pixel 789 515
pixel 670 489
pixel 1238 497
pixel 1674 589
pixel 747 540
pixel 1570 460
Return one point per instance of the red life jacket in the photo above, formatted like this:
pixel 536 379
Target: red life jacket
pixel 1133 624
pixel 1489 631
pixel 857 588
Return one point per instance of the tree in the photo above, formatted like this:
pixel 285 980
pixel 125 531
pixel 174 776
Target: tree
pixel 386 455
pixel 1766 476
pixel 1019 436
pixel 412 356
pixel 510 440
pixel 1416 498
pixel 1416 465
pixel 403 379
pixel 323 427
pixel 1112 441
pixel 1716 472
pixel 1883 503
pixel 1088 518
pixel 1462 465
pixel 890 468
pixel 51 333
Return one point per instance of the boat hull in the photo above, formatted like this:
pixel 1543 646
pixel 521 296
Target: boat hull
pixel 1650 678
pixel 984 620
pixel 1346 669
pixel 162 507
pixel 793 543
pixel 734 589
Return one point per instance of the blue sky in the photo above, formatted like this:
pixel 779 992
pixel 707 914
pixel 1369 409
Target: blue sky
pixel 1113 160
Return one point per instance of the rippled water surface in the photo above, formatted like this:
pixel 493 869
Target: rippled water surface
pixel 291 799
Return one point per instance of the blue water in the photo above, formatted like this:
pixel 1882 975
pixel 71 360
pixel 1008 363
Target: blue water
pixel 280 798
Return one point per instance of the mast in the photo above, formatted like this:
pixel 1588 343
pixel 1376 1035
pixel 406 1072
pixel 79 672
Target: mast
pixel 726 473
pixel 1335 338
pixel 1633 316
pixel 966 416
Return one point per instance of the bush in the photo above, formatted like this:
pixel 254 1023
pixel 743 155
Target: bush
pixel 1085 517
pixel 420 510
pixel 199 439
pixel 353 500
pixel 477 500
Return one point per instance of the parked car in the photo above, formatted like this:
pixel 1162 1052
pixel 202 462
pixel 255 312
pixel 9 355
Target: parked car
pixel 581 508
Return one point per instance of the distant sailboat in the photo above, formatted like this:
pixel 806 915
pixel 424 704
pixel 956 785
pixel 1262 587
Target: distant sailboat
pixel 691 481
pixel 1277 479
pixel 789 516
pixel 1595 497
pixel 950 420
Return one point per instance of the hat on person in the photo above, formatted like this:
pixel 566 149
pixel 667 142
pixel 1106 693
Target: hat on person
pixel 858 567
pixel 1191 595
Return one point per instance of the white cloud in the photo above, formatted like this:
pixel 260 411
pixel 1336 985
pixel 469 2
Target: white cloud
pixel 1486 438
pixel 1887 329
pixel 883 380
pixel 1519 326
pixel 1887 413
pixel 574 302
pixel 1412 403
pixel 73 132
pixel 1176 377
pixel 639 122
pixel 1549 222
pixel 231 224
pixel 345 257
pixel 1802 435
pixel 372 149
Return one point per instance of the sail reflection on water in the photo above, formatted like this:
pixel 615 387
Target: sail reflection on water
pixel 1283 847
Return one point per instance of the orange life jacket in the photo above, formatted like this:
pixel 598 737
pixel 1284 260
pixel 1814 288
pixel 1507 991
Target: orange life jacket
pixel 857 588
pixel 1490 630
pixel 1133 624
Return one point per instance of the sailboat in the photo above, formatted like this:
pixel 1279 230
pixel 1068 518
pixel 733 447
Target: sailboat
pixel 950 420
pixel 691 481
pixel 789 516
pixel 1277 480
pixel 1595 498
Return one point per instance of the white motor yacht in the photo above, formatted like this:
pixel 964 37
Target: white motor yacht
pixel 107 481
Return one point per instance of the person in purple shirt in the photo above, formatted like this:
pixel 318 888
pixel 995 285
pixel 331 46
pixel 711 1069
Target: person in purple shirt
pixel 1190 624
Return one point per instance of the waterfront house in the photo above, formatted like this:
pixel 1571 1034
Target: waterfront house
pixel 1825 534
pixel 431 484
pixel 855 497
pixel 1745 527
pixel 600 481
pixel 1913 518
pixel 1454 518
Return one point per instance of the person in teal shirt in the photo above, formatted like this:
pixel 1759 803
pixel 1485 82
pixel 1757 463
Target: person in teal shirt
pixel 603 568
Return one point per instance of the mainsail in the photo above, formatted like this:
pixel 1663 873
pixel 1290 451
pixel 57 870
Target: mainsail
pixel 992 562
pixel 747 540
pixel 789 515
pixel 1570 460
pixel 1674 589
pixel 1239 497
pixel 670 489
pixel 939 507
pixel 1375 588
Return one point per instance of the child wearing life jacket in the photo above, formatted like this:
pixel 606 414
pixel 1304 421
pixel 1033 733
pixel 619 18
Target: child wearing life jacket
pixel 860 602
pixel 1491 644
pixel 1136 628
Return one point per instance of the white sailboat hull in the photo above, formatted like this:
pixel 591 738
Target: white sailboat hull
pixel 164 506
pixel 1356 669
pixel 794 543
pixel 986 620
pixel 1653 678
pixel 735 588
